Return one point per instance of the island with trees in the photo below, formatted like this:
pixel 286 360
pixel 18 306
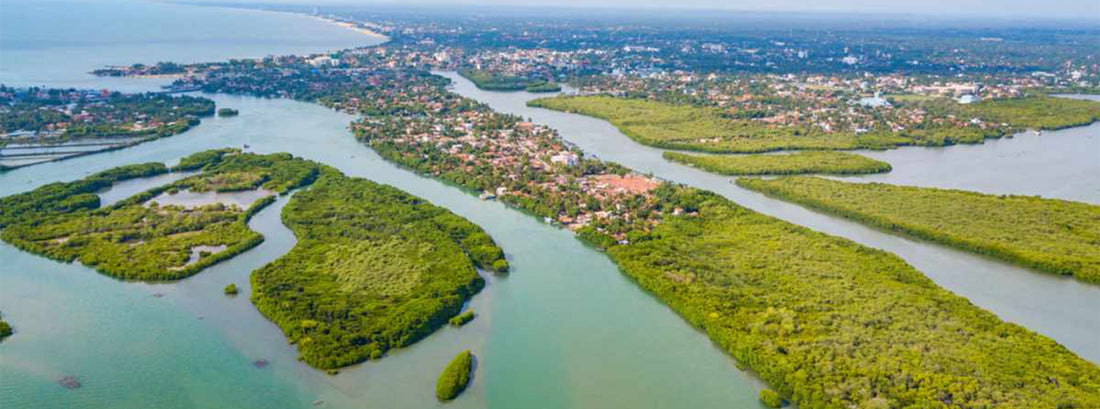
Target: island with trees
pixel 374 269
pixel 454 378
pixel 42 125
pixel 497 82
pixel 140 239
pixel 5 329
pixel 1051 235
pixel 463 319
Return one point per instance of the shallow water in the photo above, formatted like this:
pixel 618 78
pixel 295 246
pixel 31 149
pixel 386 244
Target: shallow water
pixel 1059 307
pixel 186 198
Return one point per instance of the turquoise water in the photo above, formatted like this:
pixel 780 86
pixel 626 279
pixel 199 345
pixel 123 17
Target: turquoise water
pixel 564 330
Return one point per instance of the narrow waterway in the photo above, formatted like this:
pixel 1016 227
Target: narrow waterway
pixel 1062 308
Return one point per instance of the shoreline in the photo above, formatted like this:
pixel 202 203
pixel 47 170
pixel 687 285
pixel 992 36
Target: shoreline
pixel 349 26
pixel 346 25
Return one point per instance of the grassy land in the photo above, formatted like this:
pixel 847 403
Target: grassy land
pixel 491 82
pixel 455 377
pixel 704 129
pixel 1046 234
pixel 829 323
pixel 374 268
pixel 135 240
pixel 830 162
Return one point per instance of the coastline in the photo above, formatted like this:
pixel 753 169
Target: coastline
pixel 348 26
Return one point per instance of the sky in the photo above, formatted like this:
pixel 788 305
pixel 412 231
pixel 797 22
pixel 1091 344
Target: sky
pixel 1038 9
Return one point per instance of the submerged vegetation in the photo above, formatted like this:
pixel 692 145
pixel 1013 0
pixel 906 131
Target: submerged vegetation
pixel 455 377
pixel 830 162
pixel 138 239
pixel 1051 235
pixel 709 129
pixel 374 268
pixel 830 323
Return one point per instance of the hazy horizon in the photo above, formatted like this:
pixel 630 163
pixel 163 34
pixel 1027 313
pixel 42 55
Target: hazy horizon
pixel 1014 9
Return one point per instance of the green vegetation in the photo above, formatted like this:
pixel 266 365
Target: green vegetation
pixel 137 239
pixel 227 112
pixel 829 323
pixel 455 377
pixel 1038 112
pixel 1051 235
pixel 837 163
pixel 231 289
pixel 492 82
pixel 543 87
pixel 5 329
pixel 460 320
pixel 708 129
pixel 770 398
pixel 686 127
pixel 374 268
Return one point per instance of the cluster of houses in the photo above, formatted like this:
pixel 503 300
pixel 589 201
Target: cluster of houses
pixel 525 159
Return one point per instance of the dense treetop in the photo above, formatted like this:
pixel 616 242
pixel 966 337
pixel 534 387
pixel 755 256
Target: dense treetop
pixel 1052 235
pixel 374 268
